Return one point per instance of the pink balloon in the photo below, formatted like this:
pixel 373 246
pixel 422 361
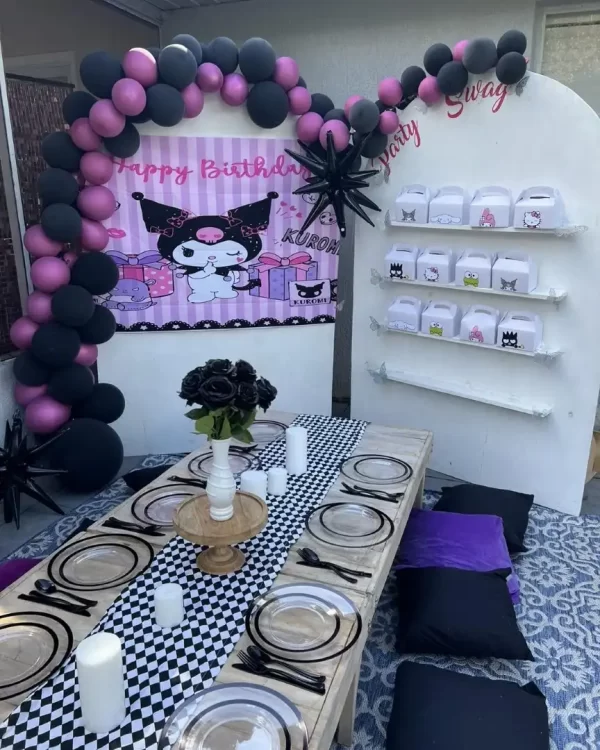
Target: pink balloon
pixel 94 236
pixel 49 274
pixel 390 91
pixel 140 65
pixel 83 135
pixel 70 258
pixel 209 78
pixel 286 73
pixel 388 122
pixel 39 307
pixel 300 100
pixel 308 127
pixel 128 96
pixel 88 354
pixel 193 99
pixel 235 89
pixel 350 102
pixel 458 51
pixel 96 168
pixel 44 415
pixel 429 91
pixel 106 119
pixel 21 332
pixel 340 132
pixel 39 244
pixel 96 202
pixel 24 394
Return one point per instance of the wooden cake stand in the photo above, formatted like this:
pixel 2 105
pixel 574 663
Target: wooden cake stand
pixel 192 521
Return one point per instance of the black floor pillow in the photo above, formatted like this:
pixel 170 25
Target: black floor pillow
pixel 139 478
pixel 458 613
pixel 512 507
pixel 435 709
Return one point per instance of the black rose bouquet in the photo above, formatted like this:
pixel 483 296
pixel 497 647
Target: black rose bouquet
pixel 228 396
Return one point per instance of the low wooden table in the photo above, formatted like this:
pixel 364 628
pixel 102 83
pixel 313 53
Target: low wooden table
pixel 323 714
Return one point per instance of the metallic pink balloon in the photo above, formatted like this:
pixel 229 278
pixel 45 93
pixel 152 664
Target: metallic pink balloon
pixel 300 100
pixel 193 100
pixel 234 90
pixel 49 274
pixel 84 136
pixel 21 332
pixel 24 394
pixel 429 91
pixel 388 122
pixel 308 127
pixel 96 202
pixel 128 96
pixel 96 168
pixel 141 65
pixel 39 244
pixel 209 78
pixel 390 91
pixel 340 132
pixel 350 102
pixel 94 236
pixel 88 354
pixel 286 73
pixel 44 415
pixel 106 119
pixel 38 307
pixel 458 51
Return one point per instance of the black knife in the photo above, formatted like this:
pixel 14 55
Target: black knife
pixel 116 523
pixel 49 601
pixel 276 675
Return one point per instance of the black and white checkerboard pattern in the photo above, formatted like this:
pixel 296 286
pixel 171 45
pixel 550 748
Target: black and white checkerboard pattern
pixel 163 667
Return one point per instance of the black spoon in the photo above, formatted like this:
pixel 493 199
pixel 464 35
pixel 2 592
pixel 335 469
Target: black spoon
pixel 47 587
pixel 257 653
pixel 311 557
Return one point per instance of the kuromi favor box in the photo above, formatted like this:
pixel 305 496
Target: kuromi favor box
pixel 514 272
pixel 412 204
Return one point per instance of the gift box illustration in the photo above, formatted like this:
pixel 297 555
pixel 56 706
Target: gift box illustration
pixel 148 267
pixel 275 274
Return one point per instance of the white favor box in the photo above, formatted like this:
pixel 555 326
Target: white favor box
pixel 401 262
pixel 405 314
pixel 480 325
pixel 412 204
pixel 539 208
pixel 436 264
pixel 491 208
pixel 514 272
pixel 520 330
pixel 474 269
pixel 441 319
pixel 450 207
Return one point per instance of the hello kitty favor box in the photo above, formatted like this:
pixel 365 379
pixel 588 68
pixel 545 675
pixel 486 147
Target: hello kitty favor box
pixel 412 204
pixel 514 272
pixel 436 264
pixel 450 207
pixel 405 314
pixel 480 325
pixel 441 319
pixel 401 263
pixel 520 330
pixel 474 269
pixel 539 208
pixel 491 208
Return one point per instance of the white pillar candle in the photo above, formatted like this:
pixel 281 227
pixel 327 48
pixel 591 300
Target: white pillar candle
pixel 277 481
pixel 296 446
pixel 254 482
pixel 101 685
pixel 168 605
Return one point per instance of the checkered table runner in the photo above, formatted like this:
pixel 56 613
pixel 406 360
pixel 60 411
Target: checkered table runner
pixel 163 667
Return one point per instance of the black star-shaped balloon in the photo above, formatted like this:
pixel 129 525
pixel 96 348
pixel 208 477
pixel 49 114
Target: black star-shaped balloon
pixel 335 182
pixel 17 473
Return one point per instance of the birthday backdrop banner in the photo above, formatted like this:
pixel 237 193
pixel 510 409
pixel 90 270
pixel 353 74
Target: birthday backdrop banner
pixel 207 235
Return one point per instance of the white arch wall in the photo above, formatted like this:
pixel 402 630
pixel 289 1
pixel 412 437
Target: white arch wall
pixel 148 367
pixel 547 136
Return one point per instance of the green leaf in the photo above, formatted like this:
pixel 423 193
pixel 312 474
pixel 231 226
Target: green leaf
pixel 218 412
pixel 243 436
pixel 249 419
pixel 225 431
pixel 197 413
pixel 204 425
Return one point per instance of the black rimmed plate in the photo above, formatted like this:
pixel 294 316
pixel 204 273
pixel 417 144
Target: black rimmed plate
pixel 32 646
pixel 265 431
pixel 158 504
pixel 371 468
pixel 238 716
pixel 350 525
pixel 304 622
pixel 100 562
pixel 239 462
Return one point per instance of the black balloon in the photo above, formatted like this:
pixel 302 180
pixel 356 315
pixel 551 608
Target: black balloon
pixel 57 186
pixel 165 105
pixel 71 384
pixel 364 116
pixel 337 114
pixel 30 371
pixel 144 116
pixel 191 43
pixel 268 104
pixel 321 104
pixel 512 41
pixel 302 83
pixel 55 345
pixel 96 272
pixel 106 403
pixel 77 104
pixel 177 66
pixel 72 305
pixel 61 222
pixel 382 107
pixel 375 145
pixel 99 71
pixel 154 51
pixel 436 57
pixel 223 52
pixel 480 55
pixel 257 60
pixel 125 144
pixel 59 151
pixel 92 453
pixel 511 68
pixel 452 78
pixel 410 80
pixel 100 328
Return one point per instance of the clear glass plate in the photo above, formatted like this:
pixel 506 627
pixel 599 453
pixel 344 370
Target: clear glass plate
pixel 352 529
pixel 158 505
pixel 265 431
pixel 201 465
pixel 374 469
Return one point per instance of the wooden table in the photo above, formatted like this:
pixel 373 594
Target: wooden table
pixel 323 714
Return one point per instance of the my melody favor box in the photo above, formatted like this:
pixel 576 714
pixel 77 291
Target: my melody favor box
pixel 539 208
pixel 401 263
pixel 514 272
pixel 405 314
pixel 412 204
pixel 275 274
pixel 491 208
pixel 450 207
pixel 520 330
pixel 474 269
pixel 480 325
pixel 441 319
pixel 436 264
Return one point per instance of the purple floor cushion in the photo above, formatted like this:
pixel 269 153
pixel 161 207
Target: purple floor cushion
pixel 456 540
pixel 12 570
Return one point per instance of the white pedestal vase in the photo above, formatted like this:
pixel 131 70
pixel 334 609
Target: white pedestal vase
pixel 220 487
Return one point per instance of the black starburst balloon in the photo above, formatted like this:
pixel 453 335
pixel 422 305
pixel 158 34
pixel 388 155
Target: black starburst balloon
pixel 18 474
pixel 335 182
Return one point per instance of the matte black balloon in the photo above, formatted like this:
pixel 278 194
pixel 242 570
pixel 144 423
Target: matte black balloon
pixel 452 78
pixel 99 71
pixel 177 66
pixel 267 104
pixel 96 272
pixel 364 116
pixel 59 151
pixel 165 105
pixel 77 104
pixel 436 57
pixel 57 186
pixel 321 104
pixel 72 305
pixel 55 345
pixel 71 384
pixel 480 55
pixel 257 60
pixel 382 107
pixel 302 82
pixel 100 328
pixel 125 144
pixel 375 145
pixel 144 116
pixel 223 52
pixel 511 68
pixel 106 403
pixel 154 51
pixel 191 43
pixel 337 114
pixel 92 453
pixel 410 80
pixel 61 222
pixel 512 41
pixel 28 370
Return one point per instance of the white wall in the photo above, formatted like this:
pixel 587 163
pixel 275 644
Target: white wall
pixel 7 402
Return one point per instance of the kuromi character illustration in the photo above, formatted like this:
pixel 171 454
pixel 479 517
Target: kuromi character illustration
pixel 532 220
pixel 432 274
pixel 487 220
pixel 508 286
pixel 409 215
pixel 310 292
pixel 129 294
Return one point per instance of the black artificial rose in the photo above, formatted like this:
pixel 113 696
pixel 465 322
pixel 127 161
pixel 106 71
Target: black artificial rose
pixel 221 367
pixel 266 393
pixel 247 396
pixel 216 392
pixel 190 386
pixel 244 372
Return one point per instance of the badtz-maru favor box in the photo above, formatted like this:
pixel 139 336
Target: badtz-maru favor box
pixel 520 330
pixel 401 263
